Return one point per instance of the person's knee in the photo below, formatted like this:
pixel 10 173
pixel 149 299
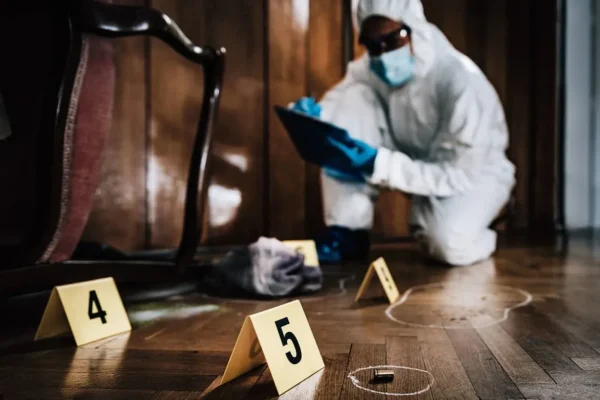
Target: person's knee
pixel 454 246
pixel 447 250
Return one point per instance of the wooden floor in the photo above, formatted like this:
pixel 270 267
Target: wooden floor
pixel 525 325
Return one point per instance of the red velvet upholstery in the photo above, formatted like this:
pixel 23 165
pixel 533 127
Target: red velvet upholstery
pixel 88 130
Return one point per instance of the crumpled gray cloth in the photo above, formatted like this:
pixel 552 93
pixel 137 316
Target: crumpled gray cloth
pixel 265 268
pixel 5 131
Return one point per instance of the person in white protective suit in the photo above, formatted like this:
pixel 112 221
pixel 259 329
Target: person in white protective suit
pixel 422 119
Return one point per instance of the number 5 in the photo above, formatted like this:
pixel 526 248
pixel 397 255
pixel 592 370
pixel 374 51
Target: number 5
pixel 289 337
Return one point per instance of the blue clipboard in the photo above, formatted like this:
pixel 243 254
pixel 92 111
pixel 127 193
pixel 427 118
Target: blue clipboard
pixel 310 134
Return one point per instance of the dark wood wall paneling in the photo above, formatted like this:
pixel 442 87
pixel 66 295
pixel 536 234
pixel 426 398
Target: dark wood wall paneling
pixel 278 51
pixel 518 107
pixel 238 187
pixel 544 82
pixel 287 81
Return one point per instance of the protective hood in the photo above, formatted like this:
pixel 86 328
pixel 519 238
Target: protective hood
pixel 411 13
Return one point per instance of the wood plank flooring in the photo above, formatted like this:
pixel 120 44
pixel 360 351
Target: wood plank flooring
pixel 525 325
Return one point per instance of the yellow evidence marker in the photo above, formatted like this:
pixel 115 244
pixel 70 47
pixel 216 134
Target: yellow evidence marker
pixel 91 310
pixel 385 278
pixel 306 247
pixel 282 338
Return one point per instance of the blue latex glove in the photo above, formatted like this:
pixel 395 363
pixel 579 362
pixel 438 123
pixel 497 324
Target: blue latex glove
pixel 308 105
pixel 349 161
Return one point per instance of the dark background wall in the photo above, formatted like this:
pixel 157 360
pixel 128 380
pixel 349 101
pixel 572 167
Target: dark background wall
pixel 278 51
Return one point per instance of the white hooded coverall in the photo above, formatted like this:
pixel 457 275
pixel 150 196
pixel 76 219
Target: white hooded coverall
pixel 441 137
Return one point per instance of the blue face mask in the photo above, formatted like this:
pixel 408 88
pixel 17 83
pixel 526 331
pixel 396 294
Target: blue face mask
pixel 395 67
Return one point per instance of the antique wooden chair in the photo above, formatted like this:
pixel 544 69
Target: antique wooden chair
pixel 57 82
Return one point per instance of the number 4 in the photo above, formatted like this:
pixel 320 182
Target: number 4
pixel 100 313
pixel 289 337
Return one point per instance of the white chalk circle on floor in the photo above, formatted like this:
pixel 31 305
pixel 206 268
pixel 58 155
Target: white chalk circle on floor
pixel 527 298
pixel 356 382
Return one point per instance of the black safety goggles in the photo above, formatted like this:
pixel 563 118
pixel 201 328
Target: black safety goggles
pixel 390 41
